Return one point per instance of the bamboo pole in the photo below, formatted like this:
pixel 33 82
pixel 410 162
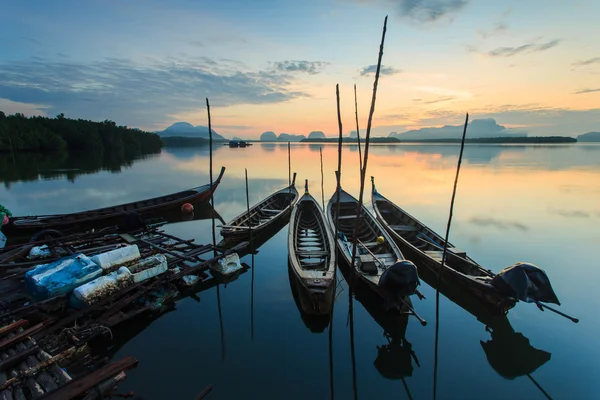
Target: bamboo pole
pixel 444 254
pixel 357 130
pixel 290 172
pixel 322 189
pixel 210 157
pixel 338 173
pixel 366 157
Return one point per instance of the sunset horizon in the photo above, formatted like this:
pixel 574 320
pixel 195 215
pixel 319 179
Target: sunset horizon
pixel 274 67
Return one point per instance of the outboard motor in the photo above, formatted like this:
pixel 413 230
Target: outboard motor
pixel 398 281
pixel 525 282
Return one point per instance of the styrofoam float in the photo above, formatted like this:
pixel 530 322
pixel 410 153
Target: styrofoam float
pixel 108 284
pixel 116 257
pixel 61 276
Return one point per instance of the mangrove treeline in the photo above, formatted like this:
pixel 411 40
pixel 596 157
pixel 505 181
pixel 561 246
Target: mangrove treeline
pixel 41 134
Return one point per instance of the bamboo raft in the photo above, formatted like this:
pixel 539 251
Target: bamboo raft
pixel 27 371
pixel 35 332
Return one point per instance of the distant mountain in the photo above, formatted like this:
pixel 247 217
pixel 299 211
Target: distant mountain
pixel 237 138
pixel 185 129
pixel 478 128
pixel 316 135
pixel 288 137
pixel 352 134
pixel 268 136
pixel 589 137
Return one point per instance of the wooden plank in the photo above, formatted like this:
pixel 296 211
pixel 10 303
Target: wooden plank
pixel 80 385
pixel 20 336
pixel 17 358
pixel 404 228
pixel 233 226
pixel 270 210
pixel 11 327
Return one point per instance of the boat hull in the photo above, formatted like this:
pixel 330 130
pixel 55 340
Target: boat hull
pixel 483 291
pixel 479 288
pixel 314 299
pixel 19 227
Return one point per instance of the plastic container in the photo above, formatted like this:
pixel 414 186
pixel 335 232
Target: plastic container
pixel 99 288
pixel 61 276
pixel 228 264
pixel 148 267
pixel 116 257
pixel 39 252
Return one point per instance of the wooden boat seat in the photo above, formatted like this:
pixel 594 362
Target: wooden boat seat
pixel 270 210
pixel 404 228
pixel 371 244
pixel 312 253
pixel 458 252
pixel 435 254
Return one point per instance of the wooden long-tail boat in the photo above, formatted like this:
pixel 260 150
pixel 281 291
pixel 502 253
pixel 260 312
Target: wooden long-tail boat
pixel 102 217
pixel 312 255
pixel 261 216
pixel 425 247
pixel 379 262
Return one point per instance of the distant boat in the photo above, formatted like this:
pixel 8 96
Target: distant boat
pixel 311 249
pixel 425 247
pixel 108 216
pixel 261 216
pixel 239 143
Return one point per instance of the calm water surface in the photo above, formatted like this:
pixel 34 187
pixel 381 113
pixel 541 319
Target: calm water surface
pixel 515 203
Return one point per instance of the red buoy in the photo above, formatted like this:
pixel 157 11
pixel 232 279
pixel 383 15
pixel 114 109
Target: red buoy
pixel 187 208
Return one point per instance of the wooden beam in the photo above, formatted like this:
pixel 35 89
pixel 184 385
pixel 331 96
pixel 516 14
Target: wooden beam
pixel 11 327
pixel 20 336
pixel 82 384
pixel 17 358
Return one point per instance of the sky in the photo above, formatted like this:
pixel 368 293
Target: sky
pixel 265 65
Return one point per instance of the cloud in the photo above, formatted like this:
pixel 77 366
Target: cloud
pixel 371 69
pixel 523 49
pixel 587 91
pixel 440 100
pixel 136 94
pixel 497 223
pixel 309 67
pixel 572 213
pixel 428 10
pixel 587 62
pixel 478 128
pixel 497 29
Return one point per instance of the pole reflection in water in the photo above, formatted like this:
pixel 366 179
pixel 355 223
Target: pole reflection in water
pixel 221 323
pixel 394 358
pixel 252 301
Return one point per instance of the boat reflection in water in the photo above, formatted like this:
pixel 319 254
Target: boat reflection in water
pixel 509 353
pixel 316 323
pixel 395 356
